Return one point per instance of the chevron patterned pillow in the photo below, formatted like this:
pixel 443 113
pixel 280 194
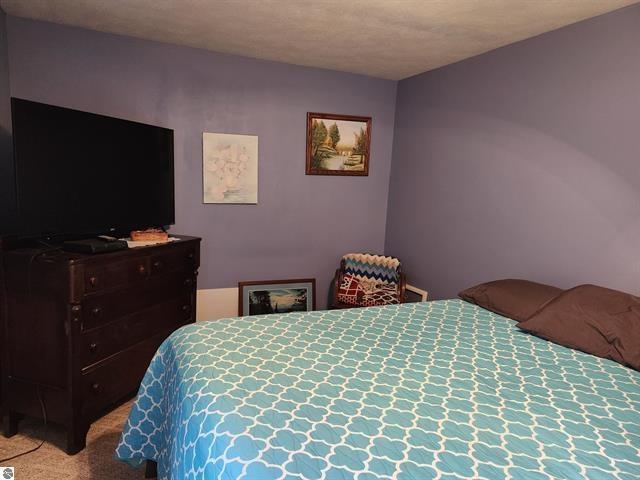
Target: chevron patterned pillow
pixel 377 268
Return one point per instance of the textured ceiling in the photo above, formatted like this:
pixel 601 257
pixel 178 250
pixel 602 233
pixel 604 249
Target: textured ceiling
pixel 384 38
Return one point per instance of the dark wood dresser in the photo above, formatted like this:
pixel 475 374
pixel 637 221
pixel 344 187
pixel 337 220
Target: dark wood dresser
pixel 80 330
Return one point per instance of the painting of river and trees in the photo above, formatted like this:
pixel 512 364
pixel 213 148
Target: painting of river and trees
pixel 338 144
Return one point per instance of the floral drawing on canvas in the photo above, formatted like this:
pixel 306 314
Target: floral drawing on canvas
pixel 230 168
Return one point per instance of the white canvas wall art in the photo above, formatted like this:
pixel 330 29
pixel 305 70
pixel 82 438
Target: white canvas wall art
pixel 230 168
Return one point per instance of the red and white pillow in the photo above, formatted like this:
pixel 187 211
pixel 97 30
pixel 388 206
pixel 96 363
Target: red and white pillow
pixel 353 291
pixel 350 290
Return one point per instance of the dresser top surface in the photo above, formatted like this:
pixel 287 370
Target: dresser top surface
pixel 58 255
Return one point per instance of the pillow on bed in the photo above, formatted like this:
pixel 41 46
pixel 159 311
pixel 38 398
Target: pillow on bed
pixel 517 299
pixel 596 320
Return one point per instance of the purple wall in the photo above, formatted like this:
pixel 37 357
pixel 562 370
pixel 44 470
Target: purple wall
pixel 5 110
pixel 7 196
pixel 523 162
pixel 302 224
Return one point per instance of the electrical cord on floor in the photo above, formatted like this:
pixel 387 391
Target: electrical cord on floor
pixel 44 435
pixel 38 392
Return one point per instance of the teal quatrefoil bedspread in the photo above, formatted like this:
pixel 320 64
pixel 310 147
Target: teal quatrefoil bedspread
pixel 417 391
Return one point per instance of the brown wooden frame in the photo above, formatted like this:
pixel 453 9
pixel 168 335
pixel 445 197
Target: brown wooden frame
pixel 330 116
pixel 241 286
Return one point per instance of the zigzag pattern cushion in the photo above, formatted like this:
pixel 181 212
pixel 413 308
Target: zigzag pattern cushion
pixel 364 266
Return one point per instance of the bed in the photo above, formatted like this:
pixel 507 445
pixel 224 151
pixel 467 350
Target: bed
pixel 441 389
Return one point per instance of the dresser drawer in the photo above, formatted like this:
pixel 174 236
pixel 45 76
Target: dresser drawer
pixel 99 310
pixel 118 376
pixel 113 274
pixel 99 343
pixel 174 259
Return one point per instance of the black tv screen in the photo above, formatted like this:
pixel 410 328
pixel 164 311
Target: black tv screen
pixel 83 173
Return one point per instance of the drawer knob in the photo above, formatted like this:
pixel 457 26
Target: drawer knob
pixel 186 308
pixel 96 311
pixel 188 281
pixel 157 264
pixel 93 281
pixel 191 255
pixel 141 269
pixel 93 346
pixel 95 388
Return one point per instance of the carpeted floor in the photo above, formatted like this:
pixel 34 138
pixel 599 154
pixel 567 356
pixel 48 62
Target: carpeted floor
pixel 50 462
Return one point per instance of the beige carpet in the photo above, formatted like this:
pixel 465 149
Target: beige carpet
pixel 50 462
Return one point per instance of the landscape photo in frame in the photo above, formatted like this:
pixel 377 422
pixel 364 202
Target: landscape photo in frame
pixel 276 296
pixel 338 144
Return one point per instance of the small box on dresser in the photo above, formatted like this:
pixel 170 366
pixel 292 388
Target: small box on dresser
pixel 80 330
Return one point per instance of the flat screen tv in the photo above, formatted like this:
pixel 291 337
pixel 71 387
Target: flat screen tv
pixel 83 173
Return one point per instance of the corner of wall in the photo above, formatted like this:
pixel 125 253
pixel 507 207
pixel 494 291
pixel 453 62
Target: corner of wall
pixel 391 168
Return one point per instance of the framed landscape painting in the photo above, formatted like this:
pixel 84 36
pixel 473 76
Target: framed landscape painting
pixel 338 144
pixel 276 296
pixel 229 168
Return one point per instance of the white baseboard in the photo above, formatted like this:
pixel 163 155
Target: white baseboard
pixel 216 303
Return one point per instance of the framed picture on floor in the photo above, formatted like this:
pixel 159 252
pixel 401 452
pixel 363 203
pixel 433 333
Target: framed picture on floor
pixel 276 296
pixel 338 144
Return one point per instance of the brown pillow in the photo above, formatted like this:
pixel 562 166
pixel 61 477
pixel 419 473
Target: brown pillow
pixel 596 320
pixel 517 299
